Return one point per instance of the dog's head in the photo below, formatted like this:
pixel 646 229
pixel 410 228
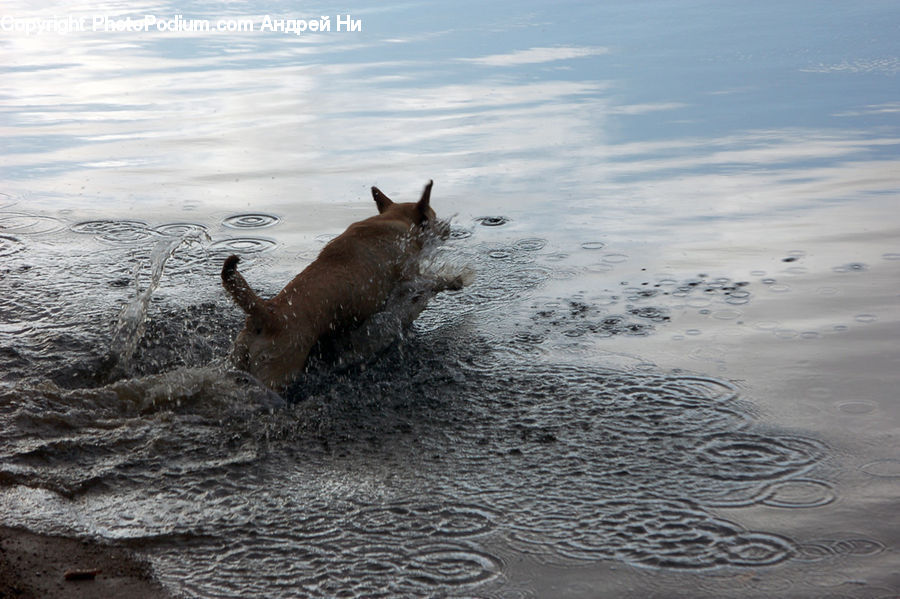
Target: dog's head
pixel 418 215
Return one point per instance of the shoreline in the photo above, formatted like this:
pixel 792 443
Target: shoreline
pixel 34 566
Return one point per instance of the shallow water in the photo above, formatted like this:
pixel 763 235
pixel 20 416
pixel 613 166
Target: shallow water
pixel 673 375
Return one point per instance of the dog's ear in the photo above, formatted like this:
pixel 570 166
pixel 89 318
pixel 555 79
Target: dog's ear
pixel 382 201
pixel 425 211
pixel 244 296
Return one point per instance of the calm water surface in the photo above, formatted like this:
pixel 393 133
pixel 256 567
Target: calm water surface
pixel 674 375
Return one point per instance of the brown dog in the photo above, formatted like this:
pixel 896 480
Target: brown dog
pixel 351 280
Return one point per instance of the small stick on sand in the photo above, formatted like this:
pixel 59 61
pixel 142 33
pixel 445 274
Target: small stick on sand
pixel 81 574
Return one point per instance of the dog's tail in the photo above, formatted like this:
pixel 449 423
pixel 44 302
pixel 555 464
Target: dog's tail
pixel 237 286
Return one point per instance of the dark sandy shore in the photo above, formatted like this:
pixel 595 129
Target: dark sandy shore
pixel 35 566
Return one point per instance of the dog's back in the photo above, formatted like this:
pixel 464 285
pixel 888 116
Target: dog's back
pixel 349 282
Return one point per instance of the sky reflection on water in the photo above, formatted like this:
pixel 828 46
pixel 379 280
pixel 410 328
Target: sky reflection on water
pixel 619 111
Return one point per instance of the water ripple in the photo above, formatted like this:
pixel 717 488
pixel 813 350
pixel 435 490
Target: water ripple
pixel 251 221
pixel 492 221
pixel 115 231
pixel 799 493
pixel 416 519
pixel 831 548
pixel 182 229
pixel 593 245
pixel 451 565
pixel 749 456
pixel 29 224
pixel 530 244
pixel 659 533
pixel 241 245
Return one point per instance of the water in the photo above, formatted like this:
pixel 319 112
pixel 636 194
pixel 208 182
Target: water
pixel 674 373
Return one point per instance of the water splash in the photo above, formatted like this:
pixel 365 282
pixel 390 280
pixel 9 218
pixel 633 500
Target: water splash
pixel 10 245
pixel 132 319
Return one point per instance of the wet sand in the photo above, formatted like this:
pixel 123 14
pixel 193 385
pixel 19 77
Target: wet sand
pixel 35 566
